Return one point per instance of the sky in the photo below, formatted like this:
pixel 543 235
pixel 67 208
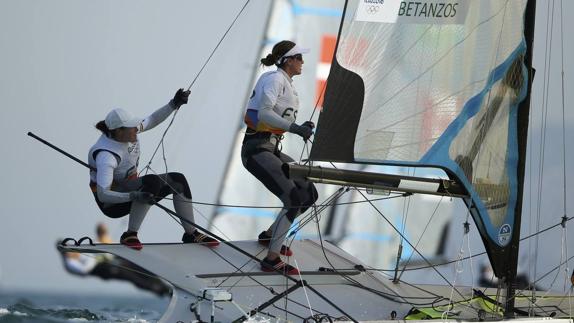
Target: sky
pixel 66 63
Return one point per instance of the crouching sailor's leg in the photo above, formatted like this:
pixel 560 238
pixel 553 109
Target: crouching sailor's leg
pixel 183 204
pixel 138 212
pixel 184 208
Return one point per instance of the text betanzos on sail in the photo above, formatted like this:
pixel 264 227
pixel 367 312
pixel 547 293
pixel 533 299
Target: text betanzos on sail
pixel 412 12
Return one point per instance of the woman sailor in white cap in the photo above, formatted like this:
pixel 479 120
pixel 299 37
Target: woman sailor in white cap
pixel 271 111
pixel 114 178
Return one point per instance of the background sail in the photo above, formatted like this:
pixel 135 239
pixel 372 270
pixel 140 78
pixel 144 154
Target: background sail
pixel 313 24
pixel 432 83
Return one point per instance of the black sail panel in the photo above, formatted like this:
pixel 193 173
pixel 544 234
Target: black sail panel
pixel 335 138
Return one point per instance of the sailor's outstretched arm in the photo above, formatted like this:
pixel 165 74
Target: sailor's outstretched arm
pixel 180 98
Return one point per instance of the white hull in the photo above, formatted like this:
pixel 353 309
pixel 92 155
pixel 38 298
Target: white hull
pixel 192 270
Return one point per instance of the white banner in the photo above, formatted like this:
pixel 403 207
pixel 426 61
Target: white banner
pixel 413 12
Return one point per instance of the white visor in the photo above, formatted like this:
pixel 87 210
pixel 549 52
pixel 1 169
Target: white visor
pixel 292 52
pixel 118 118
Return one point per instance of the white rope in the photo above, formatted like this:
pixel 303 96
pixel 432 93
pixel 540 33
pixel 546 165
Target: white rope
pixel 303 285
pixel 459 266
pixel 194 208
pixel 161 142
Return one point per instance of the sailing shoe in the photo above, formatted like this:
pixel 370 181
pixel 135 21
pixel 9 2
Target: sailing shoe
pixel 197 237
pixel 265 240
pixel 130 239
pixel 277 264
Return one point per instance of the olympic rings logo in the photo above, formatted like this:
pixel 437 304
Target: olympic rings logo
pixel 372 9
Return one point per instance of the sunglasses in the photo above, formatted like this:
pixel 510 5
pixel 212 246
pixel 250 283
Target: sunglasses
pixel 298 57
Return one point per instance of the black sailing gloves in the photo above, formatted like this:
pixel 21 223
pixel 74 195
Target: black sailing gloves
pixel 180 98
pixel 142 197
pixel 305 130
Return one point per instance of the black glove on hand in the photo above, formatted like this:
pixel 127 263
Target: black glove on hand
pixel 305 130
pixel 180 98
pixel 309 124
pixel 142 197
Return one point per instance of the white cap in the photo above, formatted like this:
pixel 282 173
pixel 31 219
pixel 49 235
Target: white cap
pixel 292 52
pixel 118 118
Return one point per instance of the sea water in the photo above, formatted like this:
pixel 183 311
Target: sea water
pixel 51 307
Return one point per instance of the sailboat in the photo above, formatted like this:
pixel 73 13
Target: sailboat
pixel 431 84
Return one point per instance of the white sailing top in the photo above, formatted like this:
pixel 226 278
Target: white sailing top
pixel 273 104
pixel 116 162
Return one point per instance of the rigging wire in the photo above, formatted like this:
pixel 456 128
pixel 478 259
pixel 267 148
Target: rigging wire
pixel 270 289
pixel 358 284
pixel 219 43
pixel 297 206
pixel 177 220
pixel 161 141
pixel 304 289
pixel 405 239
pixel 421 236
pixel 409 243
pixel 565 229
pixel 468 257
pixel 257 255
pixel 544 118
pixel 401 235
pixel 458 268
pixel 386 296
pixel 397 231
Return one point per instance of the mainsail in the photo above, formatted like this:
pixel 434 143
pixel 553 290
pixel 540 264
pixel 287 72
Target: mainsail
pixel 438 85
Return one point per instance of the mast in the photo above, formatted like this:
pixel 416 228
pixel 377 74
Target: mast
pixel 522 129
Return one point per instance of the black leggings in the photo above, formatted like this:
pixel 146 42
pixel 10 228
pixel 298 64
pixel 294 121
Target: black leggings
pixel 159 185
pixel 259 159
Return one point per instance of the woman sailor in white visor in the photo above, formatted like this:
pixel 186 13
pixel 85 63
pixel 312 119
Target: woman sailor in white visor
pixel 271 111
pixel 114 178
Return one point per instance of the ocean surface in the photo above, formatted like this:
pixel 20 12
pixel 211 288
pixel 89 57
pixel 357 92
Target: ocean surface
pixel 46 307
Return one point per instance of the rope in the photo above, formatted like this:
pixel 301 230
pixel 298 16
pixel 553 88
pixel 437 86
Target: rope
pixel 473 256
pixel 563 106
pixel 565 229
pixel 161 142
pixel 173 189
pixel 421 236
pixel 405 239
pixel 219 43
pixel 545 96
pixel 280 207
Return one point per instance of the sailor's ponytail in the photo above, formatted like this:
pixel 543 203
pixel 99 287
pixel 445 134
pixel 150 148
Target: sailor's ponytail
pixel 269 60
pixel 280 49
pixel 101 126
